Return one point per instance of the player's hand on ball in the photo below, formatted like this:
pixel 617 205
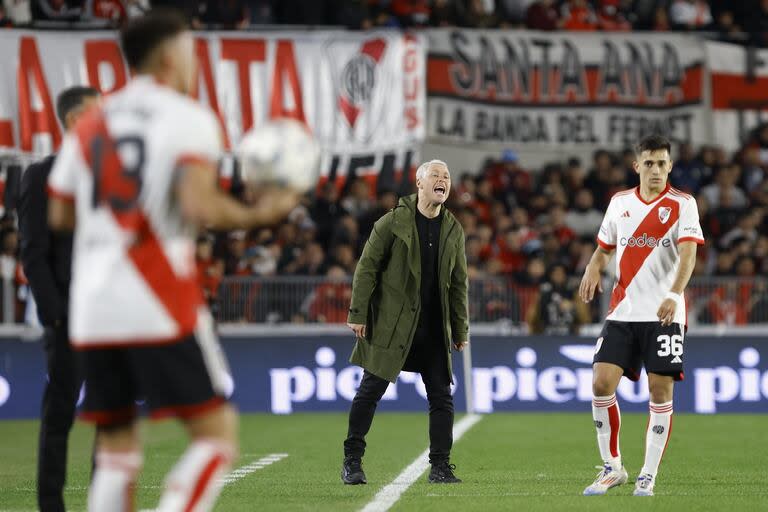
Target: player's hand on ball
pixel 666 312
pixel 589 283
pixel 359 329
pixel 460 345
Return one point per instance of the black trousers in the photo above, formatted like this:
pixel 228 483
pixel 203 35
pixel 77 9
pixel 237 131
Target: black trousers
pixel 57 415
pixel 434 374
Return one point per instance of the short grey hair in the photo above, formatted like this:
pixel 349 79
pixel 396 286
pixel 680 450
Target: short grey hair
pixel 424 168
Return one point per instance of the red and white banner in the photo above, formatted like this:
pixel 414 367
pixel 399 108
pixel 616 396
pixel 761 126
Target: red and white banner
pixel 565 89
pixel 739 78
pixel 361 94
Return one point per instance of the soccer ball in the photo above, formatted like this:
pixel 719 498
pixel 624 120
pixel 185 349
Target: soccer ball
pixel 281 152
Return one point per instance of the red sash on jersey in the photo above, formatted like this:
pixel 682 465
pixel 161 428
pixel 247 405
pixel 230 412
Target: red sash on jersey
pixel 632 258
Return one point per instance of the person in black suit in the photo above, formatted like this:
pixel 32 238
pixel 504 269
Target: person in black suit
pixel 47 257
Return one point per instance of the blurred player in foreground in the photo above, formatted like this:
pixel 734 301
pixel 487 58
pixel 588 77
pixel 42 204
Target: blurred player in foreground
pixel 136 179
pixel 654 229
pixel 47 260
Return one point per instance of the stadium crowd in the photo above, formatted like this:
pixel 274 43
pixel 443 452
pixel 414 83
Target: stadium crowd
pixel 744 21
pixel 531 233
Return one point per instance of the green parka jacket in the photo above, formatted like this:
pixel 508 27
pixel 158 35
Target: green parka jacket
pixel 385 290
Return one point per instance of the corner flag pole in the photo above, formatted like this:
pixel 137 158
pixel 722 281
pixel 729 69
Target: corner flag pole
pixel 468 387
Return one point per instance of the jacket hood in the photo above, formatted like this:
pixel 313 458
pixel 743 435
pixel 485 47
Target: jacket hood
pixel 409 202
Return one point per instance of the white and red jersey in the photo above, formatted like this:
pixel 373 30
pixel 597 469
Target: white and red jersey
pixel 133 272
pixel 646 235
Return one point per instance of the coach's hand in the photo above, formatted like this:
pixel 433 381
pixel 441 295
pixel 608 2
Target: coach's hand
pixel 359 329
pixel 589 283
pixel 666 312
pixel 460 345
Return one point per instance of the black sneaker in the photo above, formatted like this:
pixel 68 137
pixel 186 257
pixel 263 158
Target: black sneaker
pixel 442 473
pixel 352 471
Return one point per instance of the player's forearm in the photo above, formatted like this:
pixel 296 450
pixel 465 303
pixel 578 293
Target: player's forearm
pixel 687 264
pixel 599 259
pixel 223 212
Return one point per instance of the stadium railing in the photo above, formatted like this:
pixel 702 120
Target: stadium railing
pixel 721 301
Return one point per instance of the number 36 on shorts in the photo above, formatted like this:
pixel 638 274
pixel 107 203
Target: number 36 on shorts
pixel 670 345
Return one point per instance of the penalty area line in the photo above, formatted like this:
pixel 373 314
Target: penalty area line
pixel 391 492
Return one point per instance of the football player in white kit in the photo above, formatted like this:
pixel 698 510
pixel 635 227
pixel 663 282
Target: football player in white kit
pixel 135 179
pixel 654 230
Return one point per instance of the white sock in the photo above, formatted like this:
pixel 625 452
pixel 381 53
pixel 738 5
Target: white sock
pixel 607 416
pixel 194 482
pixel 113 481
pixel 657 436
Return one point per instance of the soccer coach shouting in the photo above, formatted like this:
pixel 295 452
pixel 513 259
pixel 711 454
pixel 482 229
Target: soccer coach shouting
pixel 409 301
pixel 47 258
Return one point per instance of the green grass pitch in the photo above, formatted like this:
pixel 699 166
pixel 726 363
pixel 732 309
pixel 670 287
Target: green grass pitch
pixel 526 462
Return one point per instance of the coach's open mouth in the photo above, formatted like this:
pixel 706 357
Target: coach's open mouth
pixel 439 190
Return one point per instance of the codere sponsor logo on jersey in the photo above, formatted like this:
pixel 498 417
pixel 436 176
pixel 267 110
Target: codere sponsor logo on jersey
pixel 645 241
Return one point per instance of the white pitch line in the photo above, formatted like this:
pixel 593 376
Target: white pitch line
pixel 244 471
pixel 391 492
pixel 254 466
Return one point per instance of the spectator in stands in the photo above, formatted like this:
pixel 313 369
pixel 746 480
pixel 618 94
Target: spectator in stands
pixel 385 202
pixel 661 21
pixel 556 309
pixel 754 170
pixel 483 199
pixel 689 173
pixel 574 175
pixel 344 256
pixel 610 18
pixel 236 264
pixel 411 13
pixel 326 211
pixel 480 14
pixel 746 228
pixel 331 299
pixel 264 258
pixel 690 14
pixel 358 201
pixel 302 12
pixel 444 13
pixel 724 192
pixel 354 14
pixel 758 24
pixel 599 177
pixel 534 273
pixel 509 181
pixel 56 10
pixel 555 222
pixel 578 15
pixel 726 27
pixel 210 270
pixel 5 19
pixel 513 12
pixel 583 218
pixel 312 261
pixel 543 15
pixel 111 11
pixel 226 14
pixel 757 306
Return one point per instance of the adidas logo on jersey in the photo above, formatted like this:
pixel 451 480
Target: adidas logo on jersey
pixel 677 359
pixel 625 215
